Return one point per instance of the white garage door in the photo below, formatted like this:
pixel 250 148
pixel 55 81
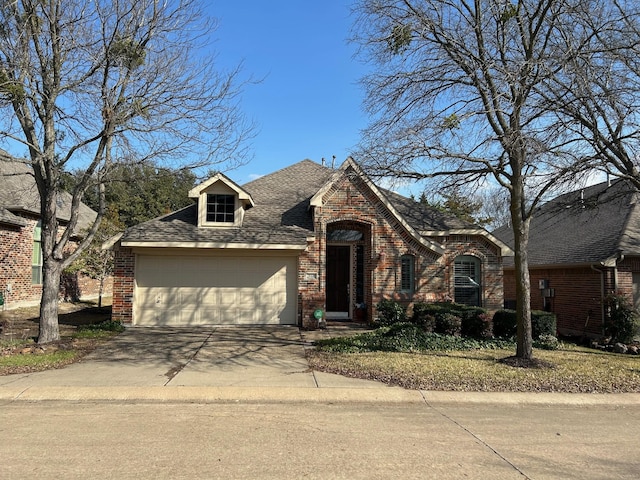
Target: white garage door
pixel 215 290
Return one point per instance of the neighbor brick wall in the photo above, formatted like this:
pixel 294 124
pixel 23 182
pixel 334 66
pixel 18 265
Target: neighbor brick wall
pixel 16 251
pixel 577 301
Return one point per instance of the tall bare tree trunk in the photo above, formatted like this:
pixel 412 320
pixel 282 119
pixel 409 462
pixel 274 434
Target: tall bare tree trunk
pixel 51 267
pixel 49 330
pixel 521 222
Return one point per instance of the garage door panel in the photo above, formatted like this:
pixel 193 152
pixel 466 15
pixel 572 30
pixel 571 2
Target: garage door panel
pixel 174 290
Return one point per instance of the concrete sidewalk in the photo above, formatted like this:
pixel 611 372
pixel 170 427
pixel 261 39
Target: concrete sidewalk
pixel 234 364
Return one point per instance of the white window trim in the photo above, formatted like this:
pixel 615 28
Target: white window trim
pixel 37 228
pixel 238 212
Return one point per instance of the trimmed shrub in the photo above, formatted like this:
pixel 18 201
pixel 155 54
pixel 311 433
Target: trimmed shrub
pixel 543 324
pixel 424 316
pixel 474 321
pixel 477 326
pixel 390 312
pixel 505 323
pixel 448 324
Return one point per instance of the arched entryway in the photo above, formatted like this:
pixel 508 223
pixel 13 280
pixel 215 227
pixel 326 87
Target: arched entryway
pixel 348 270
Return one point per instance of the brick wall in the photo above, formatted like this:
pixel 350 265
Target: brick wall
pixel 577 300
pixel 123 285
pixel 350 204
pixel 16 252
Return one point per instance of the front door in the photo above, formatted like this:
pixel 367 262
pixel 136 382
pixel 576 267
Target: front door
pixel 338 280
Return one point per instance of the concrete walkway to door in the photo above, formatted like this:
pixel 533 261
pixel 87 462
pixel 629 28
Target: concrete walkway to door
pixel 194 357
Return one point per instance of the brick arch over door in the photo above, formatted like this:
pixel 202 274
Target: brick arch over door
pixel 348 267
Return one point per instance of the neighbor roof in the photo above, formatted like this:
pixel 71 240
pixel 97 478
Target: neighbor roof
pixel 594 225
pixel 9 218
pixel 19 193
pixel 281 215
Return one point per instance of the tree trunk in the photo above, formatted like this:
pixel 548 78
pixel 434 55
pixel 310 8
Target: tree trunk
pixel 49 329
pixel 520 223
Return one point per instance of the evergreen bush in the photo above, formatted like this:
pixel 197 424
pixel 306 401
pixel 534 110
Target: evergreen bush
pixel 505 323
pixel 448 324
pixel 390 312
pixel 622 322
pixel 543 323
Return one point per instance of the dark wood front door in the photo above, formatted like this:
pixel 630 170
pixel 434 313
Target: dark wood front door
pixel 338 274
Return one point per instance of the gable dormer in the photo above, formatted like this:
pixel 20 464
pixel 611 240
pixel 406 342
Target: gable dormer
pixel 221 202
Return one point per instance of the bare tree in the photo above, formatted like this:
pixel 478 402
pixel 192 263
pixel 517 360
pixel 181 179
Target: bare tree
pixel 596 96
pixel 455 95
pixel 495 207
pixel 88 84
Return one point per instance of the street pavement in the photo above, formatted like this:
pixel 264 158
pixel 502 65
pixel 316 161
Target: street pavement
pixel 243 403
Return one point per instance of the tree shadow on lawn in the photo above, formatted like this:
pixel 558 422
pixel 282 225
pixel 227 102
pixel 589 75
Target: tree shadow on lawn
pixel 511 361
pixel 25 322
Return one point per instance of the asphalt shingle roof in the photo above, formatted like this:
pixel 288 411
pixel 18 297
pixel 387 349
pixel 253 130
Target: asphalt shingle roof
pixel 19 193
pixel 424 218
pixel 584 227
pixel 9 218
pixel 281 213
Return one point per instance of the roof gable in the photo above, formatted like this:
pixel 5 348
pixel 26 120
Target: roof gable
pixel 349 168
pixel 8 218
pixel 282 212
pixel 243 195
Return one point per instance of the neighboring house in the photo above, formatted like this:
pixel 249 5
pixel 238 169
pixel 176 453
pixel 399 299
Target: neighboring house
pixel 304 238
pixel 20 253
pixel 583 246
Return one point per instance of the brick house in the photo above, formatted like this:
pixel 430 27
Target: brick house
pixel 20 255
pixel 583 246
pixel 302 239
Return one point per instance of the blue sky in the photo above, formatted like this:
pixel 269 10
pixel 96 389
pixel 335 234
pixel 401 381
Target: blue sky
pixel 309 104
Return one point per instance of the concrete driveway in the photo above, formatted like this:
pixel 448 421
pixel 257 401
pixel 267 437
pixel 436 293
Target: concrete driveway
pixel 200 356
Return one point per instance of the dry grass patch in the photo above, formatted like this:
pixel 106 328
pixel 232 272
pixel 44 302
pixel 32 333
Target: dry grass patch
pixel 575 370
pixel 82 328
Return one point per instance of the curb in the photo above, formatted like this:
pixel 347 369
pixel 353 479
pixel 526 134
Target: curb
pixel 388 395
pixel 531 399
pixel 213 394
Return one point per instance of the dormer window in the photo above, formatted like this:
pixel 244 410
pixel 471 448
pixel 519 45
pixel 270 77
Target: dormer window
pixel 221 203
pixel 221 208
